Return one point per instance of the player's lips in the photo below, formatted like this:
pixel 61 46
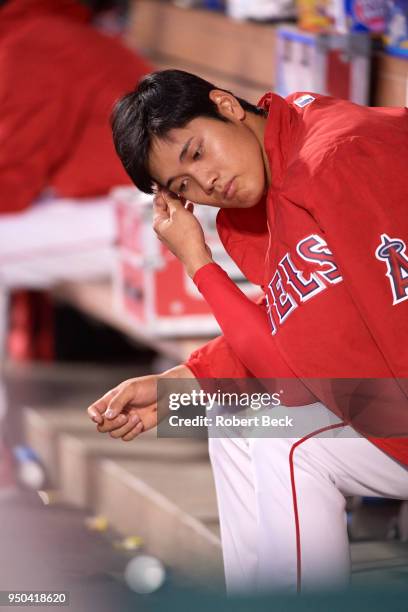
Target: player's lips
pixel 229 189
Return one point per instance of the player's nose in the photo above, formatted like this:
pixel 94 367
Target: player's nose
pixel 206 178
pixel 210 181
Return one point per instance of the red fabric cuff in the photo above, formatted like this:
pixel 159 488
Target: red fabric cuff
pixel 206 272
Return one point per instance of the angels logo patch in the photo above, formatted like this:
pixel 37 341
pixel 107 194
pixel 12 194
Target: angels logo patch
pixel 392 252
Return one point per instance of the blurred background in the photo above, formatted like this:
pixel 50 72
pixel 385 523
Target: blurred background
pixel 89 297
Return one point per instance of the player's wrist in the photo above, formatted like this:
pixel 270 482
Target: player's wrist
pixel 179 371
pixel 198 262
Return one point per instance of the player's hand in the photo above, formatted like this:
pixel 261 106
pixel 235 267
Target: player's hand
pixel 177 227
pixel 130 408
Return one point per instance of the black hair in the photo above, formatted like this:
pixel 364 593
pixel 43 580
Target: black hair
pixel 162 101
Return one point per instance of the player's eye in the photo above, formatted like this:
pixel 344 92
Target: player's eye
pixel 197 153
pixel 183 186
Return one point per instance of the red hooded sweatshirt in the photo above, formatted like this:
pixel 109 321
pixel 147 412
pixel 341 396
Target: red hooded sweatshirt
pixel 328 247
pixel 59 78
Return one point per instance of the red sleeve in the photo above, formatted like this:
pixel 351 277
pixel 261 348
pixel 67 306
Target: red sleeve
pixel 216 360
pixel 245 327
pixel 247 349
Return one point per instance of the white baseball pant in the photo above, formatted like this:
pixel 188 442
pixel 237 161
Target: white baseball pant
pixel 281 505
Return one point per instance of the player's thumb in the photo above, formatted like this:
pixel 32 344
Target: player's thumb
pixel 118 402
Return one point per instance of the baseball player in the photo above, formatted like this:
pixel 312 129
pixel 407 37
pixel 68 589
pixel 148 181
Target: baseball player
pixel 313 197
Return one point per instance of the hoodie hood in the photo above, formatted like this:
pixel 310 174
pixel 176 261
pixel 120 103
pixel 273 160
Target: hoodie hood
pixel 244 232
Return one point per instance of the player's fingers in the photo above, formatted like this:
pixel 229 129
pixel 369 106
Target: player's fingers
pixel 131 435
pixel 160 211
pixel 150 417
pixel 108 425
pixel 169 196
pixel 174 205
pixel 96 410
pixel 159 202
pixel 160 219
pixel 140 393
pixel 133 421
pixel 120 400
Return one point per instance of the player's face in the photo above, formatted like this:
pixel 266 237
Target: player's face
pixel 213 162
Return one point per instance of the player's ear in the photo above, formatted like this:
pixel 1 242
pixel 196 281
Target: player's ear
pixel 227 104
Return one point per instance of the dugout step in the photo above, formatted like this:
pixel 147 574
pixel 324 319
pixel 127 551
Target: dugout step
pixel 43 428
pixel 80 454
pixel 379 563
pixel 160 489
pixel 364 554
pixel 172 506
